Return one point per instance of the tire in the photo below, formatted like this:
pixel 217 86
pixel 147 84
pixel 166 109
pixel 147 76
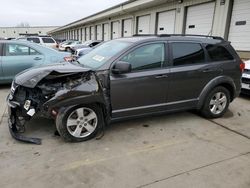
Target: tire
pixel 79 123
pixel 216 103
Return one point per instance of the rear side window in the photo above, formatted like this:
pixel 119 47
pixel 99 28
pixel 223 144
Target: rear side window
pixel 35 40
pixel 218 53
pixel 187 53
pixel 48 40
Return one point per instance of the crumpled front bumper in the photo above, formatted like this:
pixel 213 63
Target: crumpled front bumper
pixel 12 123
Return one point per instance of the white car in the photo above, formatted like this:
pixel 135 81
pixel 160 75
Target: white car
pixel 67 45
pixel 245 85
pixel 43 40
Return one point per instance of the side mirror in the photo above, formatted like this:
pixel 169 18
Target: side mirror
pixel 121 67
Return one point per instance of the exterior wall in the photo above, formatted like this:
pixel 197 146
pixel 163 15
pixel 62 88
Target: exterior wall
pixel 220 26
pixel 14 32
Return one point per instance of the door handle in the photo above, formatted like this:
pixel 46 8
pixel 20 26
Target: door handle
pixel 161 76
pixel 37 58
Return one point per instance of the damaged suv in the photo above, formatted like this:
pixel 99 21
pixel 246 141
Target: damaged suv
pixel 127 78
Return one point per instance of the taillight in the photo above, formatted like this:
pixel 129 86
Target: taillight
pixel 70 58
pixel 242 66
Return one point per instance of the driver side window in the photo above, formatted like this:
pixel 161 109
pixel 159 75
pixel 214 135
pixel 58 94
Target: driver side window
pixel 150 56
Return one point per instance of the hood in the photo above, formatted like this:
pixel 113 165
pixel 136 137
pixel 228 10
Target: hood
pixel 31 77
pixel 247 64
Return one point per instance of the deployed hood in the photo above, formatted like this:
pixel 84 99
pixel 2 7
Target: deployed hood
pixel 30 77
pixel 247 64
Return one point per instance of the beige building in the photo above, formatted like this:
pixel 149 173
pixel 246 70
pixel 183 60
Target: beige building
pixel 227 18
pixel 14 32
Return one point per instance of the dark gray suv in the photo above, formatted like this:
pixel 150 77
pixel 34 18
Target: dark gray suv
pixel 128 78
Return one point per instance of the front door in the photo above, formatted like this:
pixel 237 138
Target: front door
pixel 144 89
pixel 17 58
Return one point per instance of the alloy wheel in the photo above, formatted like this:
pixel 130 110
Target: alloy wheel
pixel 218 103
pixel 82 122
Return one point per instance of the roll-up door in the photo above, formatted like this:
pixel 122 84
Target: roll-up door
pixel 127 28
pixel 99 32
pixel 166 22
pixel 92 33
pixel 143 24
pixel 115 30
pixel 105 32
pixel 200 19
pixel 239 32
pixel 87 33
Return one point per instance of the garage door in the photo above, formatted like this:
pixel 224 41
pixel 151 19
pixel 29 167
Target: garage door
pixel 127 28
pixel 115 30
pixel 200 19
pixel 92 33
pixel 166 22
pixel 99 32
pixel 87 32
pixel 239 33
pixel 105 32
pixel 143 24
pixel 83 34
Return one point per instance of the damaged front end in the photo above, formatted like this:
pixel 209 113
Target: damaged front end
pixel 43 91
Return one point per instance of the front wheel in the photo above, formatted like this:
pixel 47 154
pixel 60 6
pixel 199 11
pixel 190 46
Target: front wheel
pixel 216 103
pixel 79 123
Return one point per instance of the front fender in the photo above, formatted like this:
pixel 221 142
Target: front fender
pixel 87 92
pixel 212 84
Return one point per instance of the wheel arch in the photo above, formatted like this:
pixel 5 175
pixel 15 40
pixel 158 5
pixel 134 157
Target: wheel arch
pixel 224 81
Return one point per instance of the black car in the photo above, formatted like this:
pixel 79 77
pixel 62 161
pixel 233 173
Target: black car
pixel 127 78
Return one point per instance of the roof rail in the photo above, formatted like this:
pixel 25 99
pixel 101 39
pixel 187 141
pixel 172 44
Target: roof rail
pixel 190 35
pixel 180 35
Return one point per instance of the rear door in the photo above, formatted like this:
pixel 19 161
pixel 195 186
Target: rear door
pixel 18 57
pixel 144 89
pixel 190 71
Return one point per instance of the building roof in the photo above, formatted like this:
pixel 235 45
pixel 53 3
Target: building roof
pixel 122 8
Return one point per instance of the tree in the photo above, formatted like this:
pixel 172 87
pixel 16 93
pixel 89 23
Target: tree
pixel 23 24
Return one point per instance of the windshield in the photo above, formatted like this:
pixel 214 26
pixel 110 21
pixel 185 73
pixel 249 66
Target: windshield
pixel 101 54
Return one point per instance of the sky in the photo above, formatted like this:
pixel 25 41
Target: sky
pixel 49 12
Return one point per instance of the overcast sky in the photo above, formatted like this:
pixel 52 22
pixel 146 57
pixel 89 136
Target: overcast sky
pixel 49 12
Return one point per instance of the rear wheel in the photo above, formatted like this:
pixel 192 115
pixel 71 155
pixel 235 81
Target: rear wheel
pixel 216 103
pixel 79 123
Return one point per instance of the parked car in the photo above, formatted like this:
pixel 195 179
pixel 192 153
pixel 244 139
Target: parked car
pixel 67 45
pixel 127 78
pixel 59 41
pixel 86 44
pixel 81 52
pixel 245 86
pixel 42 40
pixel 16 56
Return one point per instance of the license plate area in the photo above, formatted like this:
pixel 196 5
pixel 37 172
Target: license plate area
pixel 245 86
